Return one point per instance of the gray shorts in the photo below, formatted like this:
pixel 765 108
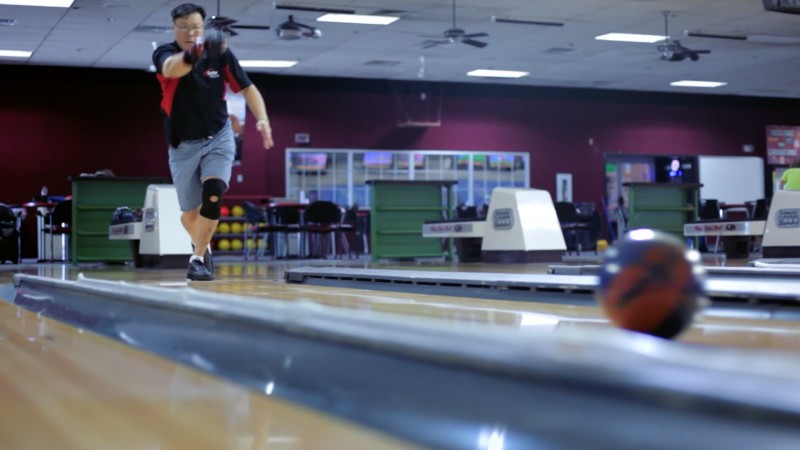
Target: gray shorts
pixel 193 161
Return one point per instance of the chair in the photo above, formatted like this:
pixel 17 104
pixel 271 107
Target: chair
pixel 60 224
pixel 760 210
pixel 323 220
pixel 286 220
pixel 571 223
pixel 355 225
pixel 257 223
pixel 466 212
pixel 709 210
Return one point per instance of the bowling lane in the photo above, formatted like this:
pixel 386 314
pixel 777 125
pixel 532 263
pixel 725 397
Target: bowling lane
pixel 265 280
pixel 709 328
pixel 450 386
pixel 64 388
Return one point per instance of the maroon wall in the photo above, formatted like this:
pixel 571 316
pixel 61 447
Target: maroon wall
pixel 59 122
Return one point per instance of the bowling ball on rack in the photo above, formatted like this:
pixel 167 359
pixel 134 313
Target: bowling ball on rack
pixel 651 283
pixel 237 211
pixel 237 244
pixel 224 211
pixel 224 245
pixel 125 214
pixel 224 228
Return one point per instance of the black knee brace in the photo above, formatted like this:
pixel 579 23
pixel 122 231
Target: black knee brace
pixel 213 187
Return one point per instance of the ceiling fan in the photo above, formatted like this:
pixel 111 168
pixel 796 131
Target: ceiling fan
pixel 291 30
pixel 455 34
pixel 226 24
pixel 673 50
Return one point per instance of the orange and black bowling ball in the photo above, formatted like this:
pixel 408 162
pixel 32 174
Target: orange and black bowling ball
pixel 650 283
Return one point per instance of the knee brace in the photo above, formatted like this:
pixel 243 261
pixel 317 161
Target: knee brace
pixel 213 187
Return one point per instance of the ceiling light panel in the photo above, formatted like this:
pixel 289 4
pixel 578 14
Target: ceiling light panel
pixel 628 37
pixel 45 3
pixel 360 19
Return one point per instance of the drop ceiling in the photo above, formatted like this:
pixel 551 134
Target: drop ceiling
pixel 121 34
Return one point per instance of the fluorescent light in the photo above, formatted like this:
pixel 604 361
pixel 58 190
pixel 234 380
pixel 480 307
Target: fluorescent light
pixel 357 18
pixel 52 3
pixel 266 63
pixel 627 37
pixel 497 73
pixel 704 84
pixel 15 54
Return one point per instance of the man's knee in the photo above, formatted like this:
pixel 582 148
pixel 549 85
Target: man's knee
pixel 213 188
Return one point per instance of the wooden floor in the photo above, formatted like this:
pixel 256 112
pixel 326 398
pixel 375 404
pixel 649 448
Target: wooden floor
pixel 265 280
pixel 61 387
pixel 66 389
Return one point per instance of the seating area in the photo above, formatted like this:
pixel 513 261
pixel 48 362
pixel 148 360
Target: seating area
pixel 320 229
pixel 712 210
pixel 581 228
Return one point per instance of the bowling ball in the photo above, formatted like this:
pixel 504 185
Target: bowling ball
pixel 237 244
pixel 237 211
pixel 224 244
pixel 602 245
pixel 236 228
pixel 251 243
pixel 214 42
pixel 224 228
pixel 650 283
pixel 124 214
pixel 224 211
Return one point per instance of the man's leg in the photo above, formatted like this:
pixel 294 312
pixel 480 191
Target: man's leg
pixel 200 229
pixel 201 223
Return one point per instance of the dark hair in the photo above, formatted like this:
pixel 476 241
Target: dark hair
pixel 796 163
pixel 186 9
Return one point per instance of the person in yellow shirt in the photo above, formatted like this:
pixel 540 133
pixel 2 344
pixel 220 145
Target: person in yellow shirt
pixel 790 179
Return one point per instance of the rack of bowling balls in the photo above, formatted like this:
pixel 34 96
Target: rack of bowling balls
pixel 229 236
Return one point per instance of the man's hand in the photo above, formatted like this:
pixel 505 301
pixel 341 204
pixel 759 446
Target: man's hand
pixel 266 133
pixel 216 43
pixel 194 53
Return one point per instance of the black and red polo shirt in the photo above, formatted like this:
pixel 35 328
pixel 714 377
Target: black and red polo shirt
pixel 194 105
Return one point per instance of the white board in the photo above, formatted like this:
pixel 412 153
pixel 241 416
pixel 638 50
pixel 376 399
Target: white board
pixel 731 179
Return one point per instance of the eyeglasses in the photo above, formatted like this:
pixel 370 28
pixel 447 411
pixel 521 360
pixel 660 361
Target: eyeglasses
pixel 188 30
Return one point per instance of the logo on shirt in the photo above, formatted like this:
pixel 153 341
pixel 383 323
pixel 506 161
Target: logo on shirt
pixel 211 73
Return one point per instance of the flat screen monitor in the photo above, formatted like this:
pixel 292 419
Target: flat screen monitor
pixel 378 160
pixel 502 162
pixel 310 162
pixel 402 161
pixel 676 169
pixel 478 161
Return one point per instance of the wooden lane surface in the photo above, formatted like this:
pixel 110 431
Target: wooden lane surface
pixel 262 280
pixel 706 329
pixel 67 389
